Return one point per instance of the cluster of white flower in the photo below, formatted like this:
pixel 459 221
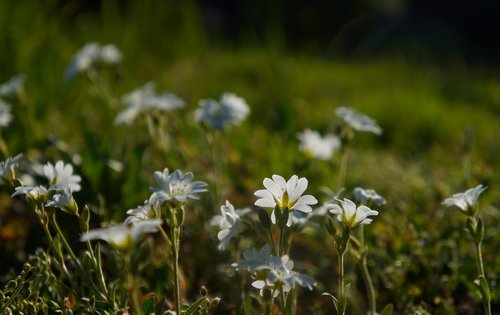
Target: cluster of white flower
pixel 91 56
pixel 143 100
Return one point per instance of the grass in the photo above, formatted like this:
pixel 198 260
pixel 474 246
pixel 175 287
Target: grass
pixel 440 136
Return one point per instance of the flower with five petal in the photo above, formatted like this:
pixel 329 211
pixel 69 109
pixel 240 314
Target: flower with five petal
pixel 123 236
pixel 358 121
pixel 287 195
pixel 350 215
pixel 466 200
pixel 175 188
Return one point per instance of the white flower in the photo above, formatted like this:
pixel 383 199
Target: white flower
pixel 231 110
pixel 90 56
pixel 61 176
pixel 176 188
pixel 280 271
pixel 123 236
pixel 365 195
pixel 351 215
pixel 358 121
pixel 7 169
pixel 254 260
pixel 229 223
pixel 316 146
pixel 110 54
pixel 285 195
pixel 277 271
pixel 467 200
pixel 144 99
pixel 37 193
pixel 64 201
pixel 5 115
pixel 12 87
pixel 143 212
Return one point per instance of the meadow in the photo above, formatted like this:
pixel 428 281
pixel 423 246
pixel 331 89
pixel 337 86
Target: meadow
pixel 439 136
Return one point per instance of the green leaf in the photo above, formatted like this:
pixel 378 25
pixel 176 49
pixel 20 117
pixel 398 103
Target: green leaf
pixel 388 309
pixel 148 307
pixel 194 307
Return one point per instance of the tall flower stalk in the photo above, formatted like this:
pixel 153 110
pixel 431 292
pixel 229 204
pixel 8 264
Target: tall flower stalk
pixel 172 194
pixel 468 204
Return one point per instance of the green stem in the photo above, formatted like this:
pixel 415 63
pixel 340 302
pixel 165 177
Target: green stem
pixel 175 233
pixel 341 283
pixel 343 169
pixel 480 266
pixel 282 299
pixel 372 302
pixel 272 242
pixel 281 244
pixel 129 276
pixel 369 286
pixel 63 238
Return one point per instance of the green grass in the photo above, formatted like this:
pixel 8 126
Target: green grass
pixel 425 112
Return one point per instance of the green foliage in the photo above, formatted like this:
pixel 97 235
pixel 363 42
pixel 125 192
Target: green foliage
pixel 440 136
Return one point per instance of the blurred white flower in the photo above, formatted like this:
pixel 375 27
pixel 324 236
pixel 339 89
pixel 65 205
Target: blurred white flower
pixel 90 56
pixel 231 110
pixel 285 195
pixel 5 115
pixel 467 200
pixel 316 146
pixel 64 201
pixel 61 176
pixel 365 195
pixel 144 99
pixel 277 270
pixel 254 260
pixel 7 169
pixel 123 236
pixel 350 215
pixel 280 271
pixel 36 193
pixel 229 223
pixel 13 87
pixel 143 212
pixel 358 121
pixel 175 188
pixel 110 54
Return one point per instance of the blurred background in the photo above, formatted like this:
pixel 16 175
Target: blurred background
pixel 426 71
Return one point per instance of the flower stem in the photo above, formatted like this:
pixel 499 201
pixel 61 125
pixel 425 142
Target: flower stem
pixel 129 276
pixel 343 168
pixel 65 242
pixel 175 234
pixel 480 266
pixel 372 302
pixel 282 299
pixel 341 283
